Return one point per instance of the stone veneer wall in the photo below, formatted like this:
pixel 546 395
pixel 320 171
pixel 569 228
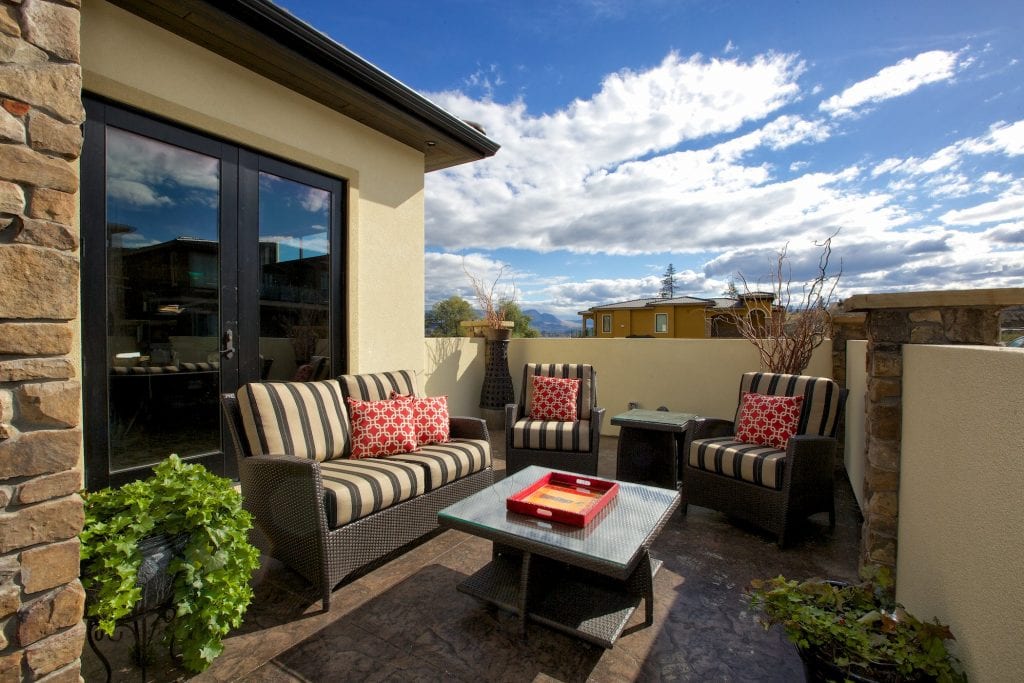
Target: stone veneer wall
pixel 893 320
pixel 41 599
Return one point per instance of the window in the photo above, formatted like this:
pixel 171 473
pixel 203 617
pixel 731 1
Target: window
pixel 661 322
pixel 606 323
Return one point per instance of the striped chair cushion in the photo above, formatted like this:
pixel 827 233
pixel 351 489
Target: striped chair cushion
pixel 551 436
pixel 761 465
pixel 587 397
pixel 304 419
pixel 820 414
pixel 357 488
pixel 378 386
pixel 443 463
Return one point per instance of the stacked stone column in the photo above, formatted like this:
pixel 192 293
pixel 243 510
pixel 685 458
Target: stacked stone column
pixel 41 599
pixel 893 321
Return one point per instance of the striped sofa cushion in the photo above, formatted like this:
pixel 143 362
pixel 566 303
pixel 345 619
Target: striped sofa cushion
pixel 356 488
pixel 587 397
pixel 820 414
pixel 378 386
pixel 304 419
pixel 761 465
pixel 551 436
pixel 443 463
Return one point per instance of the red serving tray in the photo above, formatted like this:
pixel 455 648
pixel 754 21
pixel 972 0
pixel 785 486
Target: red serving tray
pixel 562 497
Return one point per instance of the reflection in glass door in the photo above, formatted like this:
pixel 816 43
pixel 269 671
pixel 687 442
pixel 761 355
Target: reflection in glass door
pixel 163 311
pixel 294 258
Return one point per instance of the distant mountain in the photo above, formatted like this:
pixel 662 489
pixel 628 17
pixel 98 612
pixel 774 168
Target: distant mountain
pixel 550 326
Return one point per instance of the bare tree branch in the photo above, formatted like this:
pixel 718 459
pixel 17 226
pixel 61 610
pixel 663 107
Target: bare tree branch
pixel 785 331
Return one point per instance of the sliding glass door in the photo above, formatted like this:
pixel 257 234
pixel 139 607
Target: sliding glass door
pixel 204 266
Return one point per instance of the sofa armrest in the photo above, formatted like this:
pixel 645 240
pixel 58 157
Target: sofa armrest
pixel 468 428
pixel 285 495
pixel 596 420
pixel 711 427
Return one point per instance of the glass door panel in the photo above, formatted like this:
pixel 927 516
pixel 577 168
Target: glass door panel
pixel 294 279
pixel 163 304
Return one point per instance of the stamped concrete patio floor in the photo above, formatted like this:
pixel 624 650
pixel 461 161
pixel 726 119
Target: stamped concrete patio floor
pixel 404 620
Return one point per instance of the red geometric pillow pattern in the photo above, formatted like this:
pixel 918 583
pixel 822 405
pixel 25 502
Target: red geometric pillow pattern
pixel 429 415
pixel 768 420
pixel 554 398
pixel 381 427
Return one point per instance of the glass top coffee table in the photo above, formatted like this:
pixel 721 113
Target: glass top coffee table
pixel 585 581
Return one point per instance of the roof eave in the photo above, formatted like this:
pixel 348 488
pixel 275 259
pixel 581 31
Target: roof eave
pixel 269 41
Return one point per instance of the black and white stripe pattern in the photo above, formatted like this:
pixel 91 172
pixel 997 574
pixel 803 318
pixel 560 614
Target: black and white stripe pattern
pixel 820 414
pixel 547 435
pixel 357 488
pixel 762 465
pixel 378 386
pixel 445 462
pixel 585 400
pixel 304 419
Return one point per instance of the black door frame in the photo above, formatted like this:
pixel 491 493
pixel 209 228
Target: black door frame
pixel 239 271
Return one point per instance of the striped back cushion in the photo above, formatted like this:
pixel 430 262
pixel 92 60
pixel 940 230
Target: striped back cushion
pixel 587 397
pixel 820 413
pixel 378 386
pixel 304 419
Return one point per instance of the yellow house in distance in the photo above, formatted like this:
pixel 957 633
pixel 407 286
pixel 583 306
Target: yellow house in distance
pixel 683 317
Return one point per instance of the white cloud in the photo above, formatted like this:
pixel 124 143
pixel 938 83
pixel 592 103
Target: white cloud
pixel 1007 207
pixel 899 79
pixel 135 193
pixel 146 173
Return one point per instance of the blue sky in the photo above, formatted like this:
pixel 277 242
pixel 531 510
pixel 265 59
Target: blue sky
pixel 710 134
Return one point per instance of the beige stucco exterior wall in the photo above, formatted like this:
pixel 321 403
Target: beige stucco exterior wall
pixel 854 453
pixel 693 375
pixel 156 71
pixel 961 502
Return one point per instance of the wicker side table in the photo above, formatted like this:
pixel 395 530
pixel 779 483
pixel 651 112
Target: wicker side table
pixel 650 446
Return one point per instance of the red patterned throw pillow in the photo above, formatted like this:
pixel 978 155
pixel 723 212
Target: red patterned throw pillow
pixel 381 428
pixel 554 398
pixel 768 420
pixel 430 415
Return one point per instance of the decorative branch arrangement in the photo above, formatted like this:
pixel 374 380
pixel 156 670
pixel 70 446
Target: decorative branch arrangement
pixel 787 329
pixel 493 303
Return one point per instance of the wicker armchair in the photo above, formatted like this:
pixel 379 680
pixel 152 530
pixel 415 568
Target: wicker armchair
pixel 571 446
pixel 288 496
pixel 771 488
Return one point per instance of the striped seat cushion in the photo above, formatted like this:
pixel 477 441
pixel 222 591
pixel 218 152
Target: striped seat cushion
pixel 443 463
pixel 761 465
pixel 551 436
pixel 304 419
pixel 820 413
pixel 357 488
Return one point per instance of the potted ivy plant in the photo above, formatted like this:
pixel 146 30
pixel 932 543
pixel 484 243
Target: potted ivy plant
pixel 856 632
pixel 192 519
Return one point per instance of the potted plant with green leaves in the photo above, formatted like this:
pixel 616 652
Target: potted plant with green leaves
pixel 195 521
pixel 856 632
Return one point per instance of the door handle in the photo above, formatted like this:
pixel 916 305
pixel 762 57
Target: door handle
pixel 229 344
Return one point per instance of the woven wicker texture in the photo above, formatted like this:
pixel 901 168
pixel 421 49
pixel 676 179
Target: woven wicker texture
pixel 583 460
pixel 807 485
pixel 285 495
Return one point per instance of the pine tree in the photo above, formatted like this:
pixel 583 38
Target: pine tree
pixel 668 283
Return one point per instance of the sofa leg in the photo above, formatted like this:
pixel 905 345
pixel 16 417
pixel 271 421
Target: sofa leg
pixel 326 600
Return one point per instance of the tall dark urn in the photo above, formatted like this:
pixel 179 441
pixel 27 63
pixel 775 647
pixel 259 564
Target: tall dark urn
pixel 497 387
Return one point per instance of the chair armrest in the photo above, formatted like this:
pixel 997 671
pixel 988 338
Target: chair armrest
pixel 512 413
pixel 596 420
pixel 810 459
pixel 711 427
pixel 468 428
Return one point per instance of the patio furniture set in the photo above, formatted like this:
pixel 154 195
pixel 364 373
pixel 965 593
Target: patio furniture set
pixel 334 482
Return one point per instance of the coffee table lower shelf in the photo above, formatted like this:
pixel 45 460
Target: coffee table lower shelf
pixel 576 601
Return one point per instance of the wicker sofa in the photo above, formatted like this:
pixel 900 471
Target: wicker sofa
pixel 772 488
pixel 322 513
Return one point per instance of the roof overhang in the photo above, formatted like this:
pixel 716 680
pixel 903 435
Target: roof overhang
pixel 271 42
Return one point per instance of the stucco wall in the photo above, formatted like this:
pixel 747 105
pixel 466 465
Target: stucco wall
pixel 693 375
pixel 961 525
pixel 854 454
pixel 156 71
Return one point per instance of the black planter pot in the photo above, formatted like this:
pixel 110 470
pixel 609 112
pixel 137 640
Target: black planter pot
pixel 820 669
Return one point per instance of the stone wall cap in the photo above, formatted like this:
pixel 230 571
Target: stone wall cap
pixel 1011 296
